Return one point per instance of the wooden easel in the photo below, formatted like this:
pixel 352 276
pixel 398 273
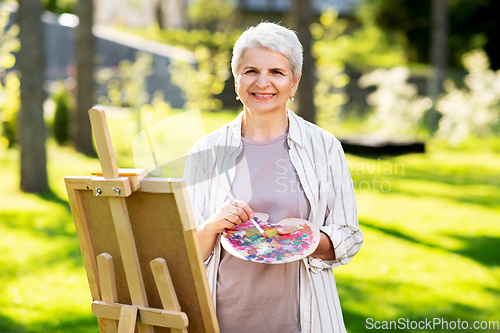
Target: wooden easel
pixel 148 274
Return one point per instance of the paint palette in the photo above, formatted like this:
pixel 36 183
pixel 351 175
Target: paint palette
pixel 246 242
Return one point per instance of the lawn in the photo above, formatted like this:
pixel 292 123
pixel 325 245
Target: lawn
pixel 431 223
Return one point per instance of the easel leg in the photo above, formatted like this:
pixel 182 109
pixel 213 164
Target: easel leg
pixel 128 317
pixel 108 286
pixel 101 322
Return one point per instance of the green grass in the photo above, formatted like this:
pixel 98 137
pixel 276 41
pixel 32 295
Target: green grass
pixel 432 241
pixel 431 224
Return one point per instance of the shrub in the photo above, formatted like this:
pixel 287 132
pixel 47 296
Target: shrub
pixel 397 107
pixel 475 109
pixel 329 95
pixel 62 116
pixel 127 86
pixel 9 82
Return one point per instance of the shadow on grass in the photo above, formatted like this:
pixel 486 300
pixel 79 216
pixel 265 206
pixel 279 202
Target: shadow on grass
pixel 55 322
pixel 461 175
pixel 489 199
pixel 459 180
pixel 382 301
pixel 477 176
pixel 7 325
pixel 59 230
pixel 73 324
pixel 482 249
pixel 50 196
pixel 60 225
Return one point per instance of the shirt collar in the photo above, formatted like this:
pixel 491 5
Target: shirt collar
pixel 295 130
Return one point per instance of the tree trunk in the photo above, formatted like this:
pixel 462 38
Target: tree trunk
pixel 300 20
pixel 158 8
pixel 439 55
pixel 82 135
pixel 31 126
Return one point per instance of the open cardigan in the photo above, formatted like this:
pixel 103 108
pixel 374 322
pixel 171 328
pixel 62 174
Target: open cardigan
pixel 319 160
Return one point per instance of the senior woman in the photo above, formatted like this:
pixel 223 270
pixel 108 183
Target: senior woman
pixel 273 162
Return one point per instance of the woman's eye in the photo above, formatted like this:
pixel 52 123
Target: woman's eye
pixel 250 71
pixel 278 72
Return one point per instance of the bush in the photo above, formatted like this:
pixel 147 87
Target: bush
pixel 62 117
pixel 329 91
pixel 60 6
pixel 397 107
pixel 474 110
pixel 127 86
pixel 9 82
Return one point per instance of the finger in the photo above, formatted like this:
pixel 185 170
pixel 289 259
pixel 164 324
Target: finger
pixel 228 225
pixel 227 205
pixel 286 229
pixel 241 213
pixel 246 208
pixel 232 218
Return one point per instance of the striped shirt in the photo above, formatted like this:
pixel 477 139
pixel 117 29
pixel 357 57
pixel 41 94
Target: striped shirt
pixel 319 160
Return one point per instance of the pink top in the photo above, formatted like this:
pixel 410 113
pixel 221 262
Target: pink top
pixel 255 297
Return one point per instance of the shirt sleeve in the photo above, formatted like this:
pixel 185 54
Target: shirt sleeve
pixel 196 183
pixel 197 187
pixel 341 217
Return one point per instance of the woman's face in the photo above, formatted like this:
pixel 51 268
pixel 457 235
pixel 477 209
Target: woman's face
pixel 264 81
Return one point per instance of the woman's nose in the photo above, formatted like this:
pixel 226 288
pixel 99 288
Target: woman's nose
pixel 262 81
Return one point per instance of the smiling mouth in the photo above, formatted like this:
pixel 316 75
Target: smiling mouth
pixel 263 95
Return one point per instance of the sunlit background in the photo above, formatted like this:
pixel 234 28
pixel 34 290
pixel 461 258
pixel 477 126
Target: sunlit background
pixel 411 88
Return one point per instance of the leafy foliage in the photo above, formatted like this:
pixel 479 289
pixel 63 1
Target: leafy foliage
pixel 211 14
pixel 203 83
pixel 472 24
pixel 397 107
pixel 62 115
pixel 60 6
pixel 363 47
pixel 328 95
pixel 200 83
pixel 334 50
pixel 475 109
pixel 127 86
pixel 9 81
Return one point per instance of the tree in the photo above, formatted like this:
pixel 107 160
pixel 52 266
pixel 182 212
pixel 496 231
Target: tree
pixel 82 135
pixel 31 124
pixel 472 24
pixel 301 19
pixel 439 54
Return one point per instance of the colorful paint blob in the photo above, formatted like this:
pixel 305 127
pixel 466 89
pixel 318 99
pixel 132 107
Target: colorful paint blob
pixel 246 242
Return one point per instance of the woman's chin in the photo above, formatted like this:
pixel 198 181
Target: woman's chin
pixel 265 108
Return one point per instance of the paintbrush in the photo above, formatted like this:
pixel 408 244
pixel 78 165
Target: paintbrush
pixel 254 221
pixel 231 196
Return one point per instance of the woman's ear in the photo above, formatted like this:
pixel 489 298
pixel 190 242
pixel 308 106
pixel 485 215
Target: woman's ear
pixel 295 86
pixel 236 86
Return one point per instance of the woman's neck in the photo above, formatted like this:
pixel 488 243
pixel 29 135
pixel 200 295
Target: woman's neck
pixel 264 126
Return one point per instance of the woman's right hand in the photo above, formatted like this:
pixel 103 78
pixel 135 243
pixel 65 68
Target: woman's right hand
pixel 228 216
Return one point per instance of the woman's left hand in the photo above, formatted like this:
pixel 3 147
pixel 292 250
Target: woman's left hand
pixel 325 249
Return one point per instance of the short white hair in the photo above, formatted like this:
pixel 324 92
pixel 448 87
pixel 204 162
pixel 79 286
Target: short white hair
pixel 273 37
